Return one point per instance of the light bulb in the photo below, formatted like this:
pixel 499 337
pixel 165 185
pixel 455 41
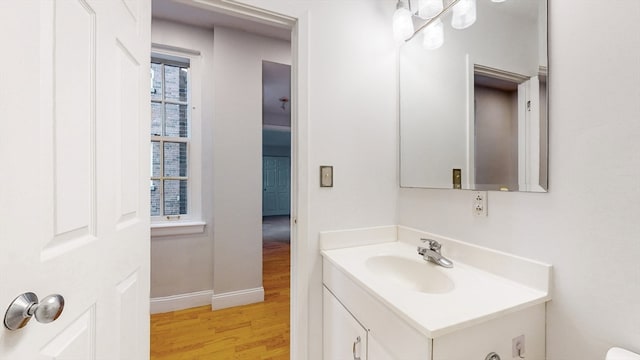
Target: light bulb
pixel 433 35
pixel 402 23
pixel 429 8
pixel 464 14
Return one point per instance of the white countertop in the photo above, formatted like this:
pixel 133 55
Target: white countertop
pixel 477 295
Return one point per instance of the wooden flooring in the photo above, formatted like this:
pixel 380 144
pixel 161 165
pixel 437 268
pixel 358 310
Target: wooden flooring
pixel 255 332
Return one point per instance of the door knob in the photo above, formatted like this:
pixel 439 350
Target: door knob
pixel 26 306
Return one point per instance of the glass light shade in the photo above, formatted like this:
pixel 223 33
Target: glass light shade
pixel 402 24
pixel 429 8
pixel 433 35
pixel 464 14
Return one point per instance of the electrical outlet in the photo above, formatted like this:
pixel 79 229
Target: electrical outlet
pixel 517 347
pixel 479 203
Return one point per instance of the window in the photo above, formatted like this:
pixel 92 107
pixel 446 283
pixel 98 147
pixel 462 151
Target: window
pixel 175 141
pixel 170 139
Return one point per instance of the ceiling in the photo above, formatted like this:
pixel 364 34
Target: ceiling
pixel 202 15
pixel 276 83
pixel 517 8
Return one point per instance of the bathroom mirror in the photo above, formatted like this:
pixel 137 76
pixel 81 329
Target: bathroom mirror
pixel 473 113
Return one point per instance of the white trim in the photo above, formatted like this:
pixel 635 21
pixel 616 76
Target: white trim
pixel 469 174
pixel 162 48
pixel 237 298
pixel 177 228
pixel 180 302
pixel 300 233
pixel 243 11
pixel 499 74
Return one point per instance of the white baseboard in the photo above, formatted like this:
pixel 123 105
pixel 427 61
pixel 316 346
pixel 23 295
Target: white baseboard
pixel 180 302
pixel 237 298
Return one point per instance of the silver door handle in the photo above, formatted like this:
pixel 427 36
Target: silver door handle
pixel 492 356
pixel 355 344
pixel 26 306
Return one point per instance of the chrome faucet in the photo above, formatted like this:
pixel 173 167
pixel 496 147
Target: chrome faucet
pixel 432 253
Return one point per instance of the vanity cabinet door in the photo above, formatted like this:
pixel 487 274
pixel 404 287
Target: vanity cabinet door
pixel 376 351
pixel 344 338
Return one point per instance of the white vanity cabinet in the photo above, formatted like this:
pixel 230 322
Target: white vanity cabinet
pixel 351 312
pixel 404 308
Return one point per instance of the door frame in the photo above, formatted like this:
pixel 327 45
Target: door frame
pixel 299 26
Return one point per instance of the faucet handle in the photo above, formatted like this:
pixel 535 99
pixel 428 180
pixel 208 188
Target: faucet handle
pixel 433 244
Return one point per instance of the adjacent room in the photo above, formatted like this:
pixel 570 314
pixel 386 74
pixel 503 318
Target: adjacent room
pixel 221 253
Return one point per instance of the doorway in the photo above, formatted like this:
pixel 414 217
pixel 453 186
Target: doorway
pixel 276 181
pixel 276 141
pixel 237 142
pixel 496 133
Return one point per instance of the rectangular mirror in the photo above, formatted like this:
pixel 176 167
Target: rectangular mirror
pixel 473 113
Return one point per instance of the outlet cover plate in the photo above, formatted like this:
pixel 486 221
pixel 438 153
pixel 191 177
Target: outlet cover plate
pixel 479 203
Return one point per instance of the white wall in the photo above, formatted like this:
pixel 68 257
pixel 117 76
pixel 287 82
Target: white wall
pixel 237 156
pixel 588 224
pixel 278 119
pixel 348 69
pixel 352 126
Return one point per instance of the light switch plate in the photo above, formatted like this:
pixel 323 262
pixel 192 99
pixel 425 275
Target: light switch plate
pixel 457 178
pixel 326 176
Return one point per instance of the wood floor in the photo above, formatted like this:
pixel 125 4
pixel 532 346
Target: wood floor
pixel 256 331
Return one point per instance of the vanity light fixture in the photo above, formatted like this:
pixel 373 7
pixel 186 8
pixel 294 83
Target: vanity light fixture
pixel 430 13
pixel 464 14
pixel 402 22
pixel 433 35
pixel 429 8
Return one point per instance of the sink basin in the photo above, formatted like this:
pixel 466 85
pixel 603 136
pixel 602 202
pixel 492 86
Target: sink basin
pixel 417 275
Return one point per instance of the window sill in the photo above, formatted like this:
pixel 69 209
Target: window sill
pixel 177 228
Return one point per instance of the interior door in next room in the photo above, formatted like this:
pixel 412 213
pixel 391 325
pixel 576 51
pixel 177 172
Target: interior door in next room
pixel 276 185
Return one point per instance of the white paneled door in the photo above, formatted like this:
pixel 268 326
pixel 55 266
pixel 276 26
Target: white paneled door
pixel 276 185
pixel 74 188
